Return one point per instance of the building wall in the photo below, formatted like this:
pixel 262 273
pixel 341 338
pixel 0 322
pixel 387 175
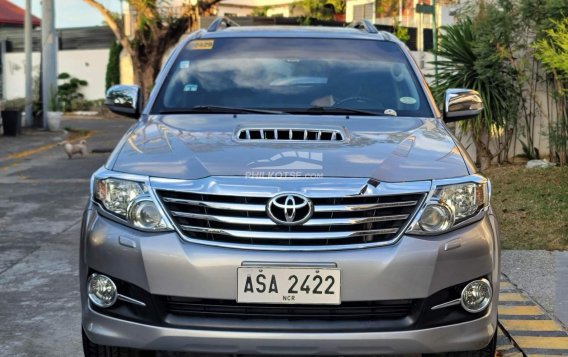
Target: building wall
pixel 274 10
pixel 227 9
pixel 349 8
pixel 89 65
pixel 408 17
pixel 282 10
pixel 126 68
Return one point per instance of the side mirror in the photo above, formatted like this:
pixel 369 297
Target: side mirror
pixel 461 104
pixel 124 100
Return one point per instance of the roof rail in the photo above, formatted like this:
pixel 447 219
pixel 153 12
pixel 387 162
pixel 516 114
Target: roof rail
pixel 389 36
pixel 220 23
pixel 365 25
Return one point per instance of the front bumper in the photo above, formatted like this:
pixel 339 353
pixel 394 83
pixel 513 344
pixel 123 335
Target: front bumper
pixel 466 336
pixel 414 268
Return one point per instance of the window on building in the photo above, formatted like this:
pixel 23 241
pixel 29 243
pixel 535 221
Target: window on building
pixel 363 12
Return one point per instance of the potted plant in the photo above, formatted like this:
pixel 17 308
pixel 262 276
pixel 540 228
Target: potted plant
pixel 11 112
pixel 54 113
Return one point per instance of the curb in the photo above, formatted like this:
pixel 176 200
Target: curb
pixel 528 325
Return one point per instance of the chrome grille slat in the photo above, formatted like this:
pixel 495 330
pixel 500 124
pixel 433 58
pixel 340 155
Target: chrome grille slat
pixel 363 207
pixel 226 219
pixel 269 222
pixel 336 221
pixel 287 235
pixel 219 205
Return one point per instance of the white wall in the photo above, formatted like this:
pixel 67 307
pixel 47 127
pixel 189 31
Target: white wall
pixel 273 10
pixel 13 78
pixel 89 65
pixel 224 9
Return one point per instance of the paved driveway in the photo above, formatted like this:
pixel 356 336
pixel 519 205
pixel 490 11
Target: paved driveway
pixel 41 200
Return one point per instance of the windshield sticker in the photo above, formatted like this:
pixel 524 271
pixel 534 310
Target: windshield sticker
pixel 190 88
pixel 184 64
pixel 201 45
pixel 408 100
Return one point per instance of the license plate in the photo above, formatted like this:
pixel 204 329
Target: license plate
pixel 289 285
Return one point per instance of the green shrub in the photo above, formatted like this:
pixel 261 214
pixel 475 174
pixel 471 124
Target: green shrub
pixel 83 105
pixel 69 91
pixel 400 32
pixel 113 66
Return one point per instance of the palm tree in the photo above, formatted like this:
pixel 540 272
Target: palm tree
pixel 467 60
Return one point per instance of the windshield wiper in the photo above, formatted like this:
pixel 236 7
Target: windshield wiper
pixel 218 109
pixel 333 110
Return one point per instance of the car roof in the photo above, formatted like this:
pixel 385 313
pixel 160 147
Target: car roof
pixel 293 32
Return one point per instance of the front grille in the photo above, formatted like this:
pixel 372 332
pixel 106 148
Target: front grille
pixel 284 134
pixel 336 221
pixel 358 310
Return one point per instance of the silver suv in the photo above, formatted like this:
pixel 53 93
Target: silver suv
pixel 290 190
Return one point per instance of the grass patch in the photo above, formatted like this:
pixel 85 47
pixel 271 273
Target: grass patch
pixel 532 206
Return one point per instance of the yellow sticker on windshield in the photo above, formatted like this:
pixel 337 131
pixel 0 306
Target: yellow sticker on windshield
pixel 201 45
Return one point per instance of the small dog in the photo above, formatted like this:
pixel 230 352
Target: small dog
pixel 72 149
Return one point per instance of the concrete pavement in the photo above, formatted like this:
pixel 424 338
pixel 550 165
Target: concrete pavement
pixel 543 275
pixel 41 200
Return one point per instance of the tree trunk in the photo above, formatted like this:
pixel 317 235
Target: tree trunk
pixel 484 159
pixel 149 55
pixel 483 153
pixel 146 65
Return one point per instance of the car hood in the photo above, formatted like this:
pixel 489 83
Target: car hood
pixel 390 149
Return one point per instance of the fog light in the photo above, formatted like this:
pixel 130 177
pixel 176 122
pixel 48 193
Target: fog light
pixel 436 218
pixel 476 296
pixel 101 290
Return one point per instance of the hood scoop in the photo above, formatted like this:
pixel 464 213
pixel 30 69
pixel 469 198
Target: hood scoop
pixel 290 134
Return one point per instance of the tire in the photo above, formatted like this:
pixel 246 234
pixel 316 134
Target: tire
pixel 488 351
pixel 91 349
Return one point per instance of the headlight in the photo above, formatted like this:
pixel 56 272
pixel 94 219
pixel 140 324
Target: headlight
pixel 131 202
pixel 451 205
pixel 436 218
pixel 143 213
pixel 465 199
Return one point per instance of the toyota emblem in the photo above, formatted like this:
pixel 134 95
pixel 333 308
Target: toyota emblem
pixel 290 209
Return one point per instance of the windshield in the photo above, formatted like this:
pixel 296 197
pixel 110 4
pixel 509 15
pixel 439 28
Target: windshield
pixel 308 75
